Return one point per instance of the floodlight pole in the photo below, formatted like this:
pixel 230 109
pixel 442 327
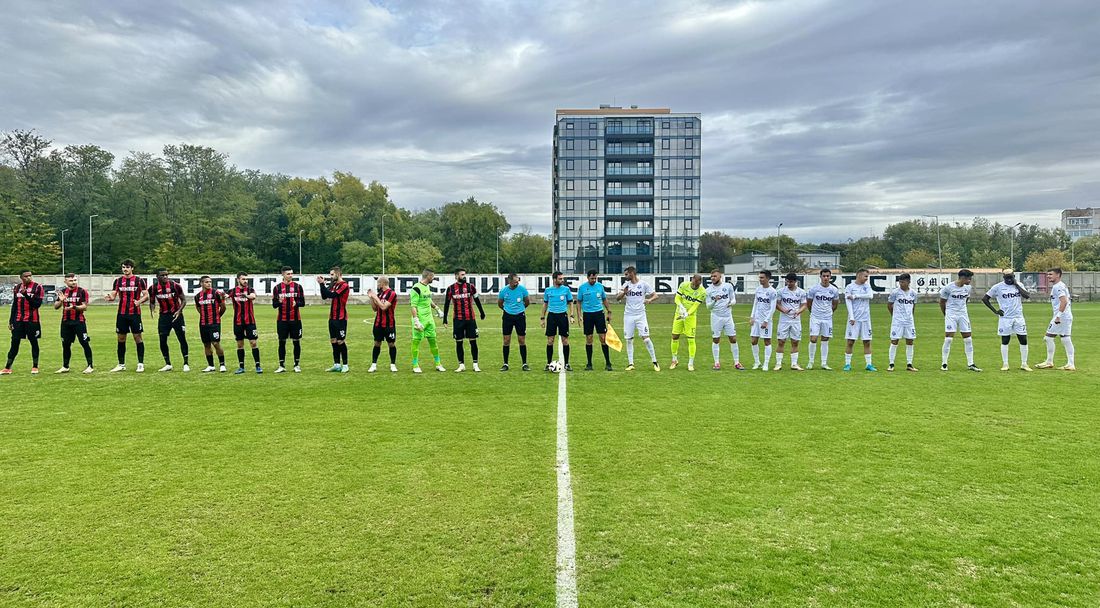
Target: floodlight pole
pixel 90 243
pixel 63 251
pixel 1012 246
pixel 778 245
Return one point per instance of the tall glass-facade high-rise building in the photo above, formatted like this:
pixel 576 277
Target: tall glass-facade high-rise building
pixel 626 190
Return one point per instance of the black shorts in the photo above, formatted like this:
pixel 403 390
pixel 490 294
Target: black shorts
pixel 464 330
pixel 337 329
pixel 165 324
pixel 289 330
pixel 29 330
pixel 128 324
pixel 557 324
pixel 595 321
pixel 385 334
pixel 74 331
pixel 518 323
pixel 210 333
pixel 245 332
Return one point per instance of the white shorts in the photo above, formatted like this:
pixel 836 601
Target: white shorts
pixel 821 327
pixel 860 331
pixel 953 323
pixel 906 330
pixel 638 324
pixel 1060 329
pixel 761 332
pixel 722 325
pixel 790 330
pixel 1006 326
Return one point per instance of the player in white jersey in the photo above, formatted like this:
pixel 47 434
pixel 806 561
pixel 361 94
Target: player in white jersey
pixel 902 326
pixel 1062 323
pixel 760 321
pixel 857 298
pixel 791 303
pixel 824 298
pixel 1010 308
pixel 720 301
pixel 956 318
pixel 637 294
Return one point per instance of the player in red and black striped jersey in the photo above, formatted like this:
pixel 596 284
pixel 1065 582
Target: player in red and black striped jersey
pixel 385 323
pixel 130 291
pixel 167 295
pixel 244 321
pixel 337 291
pixel 210 303
pixel 73 301
pixel 24 322
pixel 463 296
pixel 288 297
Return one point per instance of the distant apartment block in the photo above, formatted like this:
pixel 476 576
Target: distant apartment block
pixel 1081 222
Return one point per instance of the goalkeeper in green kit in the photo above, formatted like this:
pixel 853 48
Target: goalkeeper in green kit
pixel 423 320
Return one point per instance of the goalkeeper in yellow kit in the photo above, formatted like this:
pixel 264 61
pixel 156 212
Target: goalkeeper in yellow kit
pixel 688 298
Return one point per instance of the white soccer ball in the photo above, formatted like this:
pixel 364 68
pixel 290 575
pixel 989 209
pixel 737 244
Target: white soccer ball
pixel 555 366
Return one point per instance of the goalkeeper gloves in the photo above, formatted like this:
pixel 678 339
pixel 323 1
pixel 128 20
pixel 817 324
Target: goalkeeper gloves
pixel 418 325
pixel 681 311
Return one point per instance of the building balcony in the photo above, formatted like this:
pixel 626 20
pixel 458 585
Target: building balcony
pixel 629 130
pixel 615 232
pixel 628 151
pixel 630 251
pixel 629 211
pixel 629 171
pixel 629 192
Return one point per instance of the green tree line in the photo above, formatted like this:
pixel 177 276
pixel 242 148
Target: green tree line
pixel 189 209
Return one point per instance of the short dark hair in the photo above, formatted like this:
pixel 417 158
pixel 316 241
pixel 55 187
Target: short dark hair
pixel 128 262
pixel 591 271
pixel 162 269
pixel 630 269
pixel 824 270
pixel 204 277
pixel 71 275
pixel 242 274
pixel 512 274
pixel 904 277
pixel 766 273
pixel 863 270
pixel 966 273
pixel 718 270
pixel 791 277
pixel 286 268
pixel 336 269
pixel 1056 270
pixel 25 271
pixel 556 274
pixel 460 269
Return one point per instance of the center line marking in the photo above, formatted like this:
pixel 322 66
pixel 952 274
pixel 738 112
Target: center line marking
pixel 567 543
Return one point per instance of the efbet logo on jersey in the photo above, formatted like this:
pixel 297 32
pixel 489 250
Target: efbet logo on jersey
pixel 634 293
pixel 792 301
pixel 906 301
pixel 823 298
pixel 763 300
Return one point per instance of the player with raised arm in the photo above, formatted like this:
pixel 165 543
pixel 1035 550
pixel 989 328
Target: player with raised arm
pixel 1062 323
pixel 637 294
pixel 956 318
pixel 791 302
pixel 901 303
pixel 462 294
pixel 167 295
pixel 824 298
pixel 513 301
pixel 288 298
pixel 338 293
pixel 857 299
pixel 243 297
pixel 720 300
pixel 764 302
pixel 423 320
pixel 557 316
pixel 24 322
pixel 73 301
pixel 210 303
pixel 384 304
pixel 1010 297
pixel 595 315
pixel 131 292
pixel 689 295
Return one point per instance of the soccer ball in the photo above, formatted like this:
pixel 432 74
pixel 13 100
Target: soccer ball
pixel 555 366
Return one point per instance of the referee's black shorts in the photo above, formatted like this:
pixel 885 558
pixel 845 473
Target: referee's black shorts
pixel 557 324
pixel 595 322
pixel 517 323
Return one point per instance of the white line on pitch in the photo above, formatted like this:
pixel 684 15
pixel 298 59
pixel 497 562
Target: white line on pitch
pixel 567 543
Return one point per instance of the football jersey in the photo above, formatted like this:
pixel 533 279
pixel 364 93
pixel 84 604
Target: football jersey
pixel 1058 290
pixel 1009 299
pixel 557 298
pixel 129 289
pixel 903 302
pixel 244 312
pixel 763 303
pixel 792 300
pixel 73 297
pixel 168 295
pixel 690 297
pixel 720 298
pixel 420 297
pixel 821 301
pixel 636 294
pixel 591 296
pixel 859 308
pixel 513 299
pixel 26 299
pixel 956 298
pixel 208 302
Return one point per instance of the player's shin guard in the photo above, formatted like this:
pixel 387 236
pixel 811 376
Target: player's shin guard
pixel 433 346
pixel 946 351
pixel 141 352
pixel 1067 343
pixel 460 351
pixel 282 353
pixel 649 347
pixel 210 360
pixel 691 349
pixel 908 354
pixel 735 349
pixel 256 355
pixel 813 351
pixel 240 357
pixel 335 353
pixel 1050 348
pixel 164 349
pixel 756 355
pixel 87 346
pixel 768 354
pixel 1023 353
pixel 893 352
pixel 473 350
pixel 66 353
pixel 968 348
pixel 297 351
pixel 676 348
pixel 377 350
pixel 184 349
pixel 34 351
pixel 715 352
pixel 1004 354
pixel 393 353
pixel 122 353
pixel 630 351
pixel 824 353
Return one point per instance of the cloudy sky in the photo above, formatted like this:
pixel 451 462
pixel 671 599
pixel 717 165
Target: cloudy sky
pixel 835 117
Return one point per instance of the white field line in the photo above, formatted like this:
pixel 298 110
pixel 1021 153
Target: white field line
pixel 567 542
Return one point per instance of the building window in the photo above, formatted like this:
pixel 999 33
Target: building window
pixel 569 165
pixel 664 184
pixel 689 163
pixel 666 163
pixel 688 143
pixel 664 225
pixel 569 225
pixel 591 224
pixel 591 184
pixel 687 184
pixel 592 126
pixel 666 125
pixel 569 126
pixel 569 205
pixel 569 144
pixel 592 165
pixel 687 224
pixel 688 204
pixel 687 125
pixel 591 144
pixel 569 245
pixel 664 204
pixel 568 184
pixel 666 144
pixel 593 205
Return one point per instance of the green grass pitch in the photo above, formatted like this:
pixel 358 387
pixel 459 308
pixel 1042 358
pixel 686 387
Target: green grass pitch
pixel 690 489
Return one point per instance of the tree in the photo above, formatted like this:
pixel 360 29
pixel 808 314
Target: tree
pixel 790 261
pixel 404 257
pixel 918 258
pixel 470 230
pixel 1085 253
pixel 1041 261
pixel 525 252
pixel 715 250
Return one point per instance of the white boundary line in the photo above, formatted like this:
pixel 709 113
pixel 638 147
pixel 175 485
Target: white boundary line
pixel 567 543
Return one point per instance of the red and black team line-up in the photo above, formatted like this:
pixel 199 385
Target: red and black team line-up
pixel 166 300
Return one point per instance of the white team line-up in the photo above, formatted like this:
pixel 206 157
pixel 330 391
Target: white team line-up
pixel 560 309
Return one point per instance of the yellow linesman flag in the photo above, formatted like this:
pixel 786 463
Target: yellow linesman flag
pixel 613 339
